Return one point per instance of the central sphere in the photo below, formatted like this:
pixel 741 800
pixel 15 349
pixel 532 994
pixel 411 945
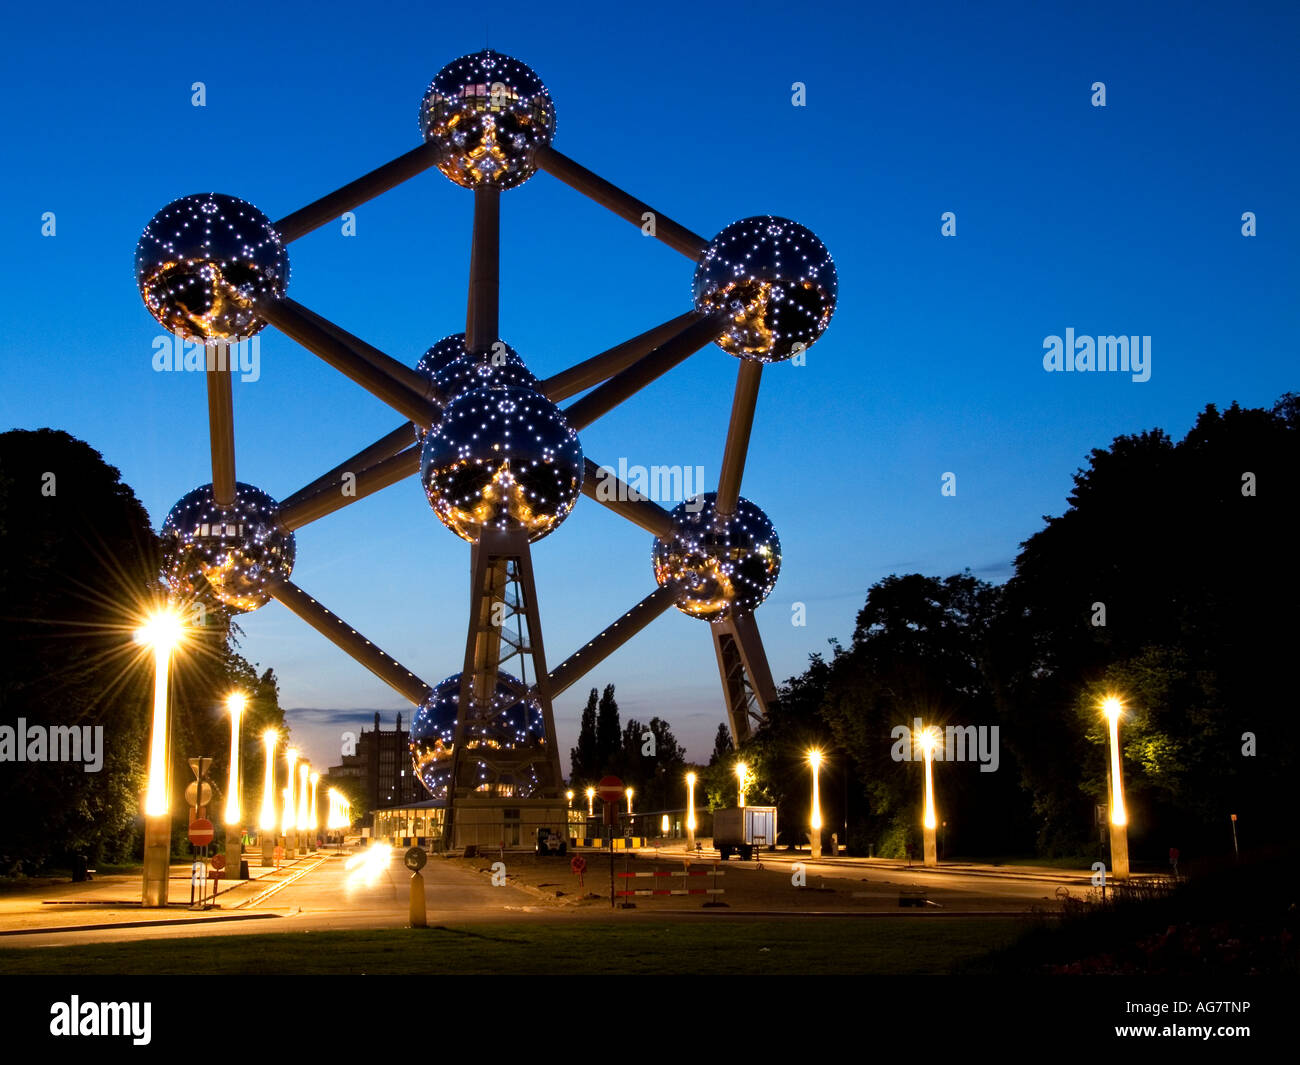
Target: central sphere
pixel 488 114
pixel 453 370
pixel 202 263
pixel 513 725
pixel 777 282
pixel 722 565
pixel 505 457
pixel 230 553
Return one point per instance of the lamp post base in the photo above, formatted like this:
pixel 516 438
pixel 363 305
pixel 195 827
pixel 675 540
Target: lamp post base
pixel 1119 852
pixel 815 837
pixel 931 850
pixel 234 852
pixel 268 847
pixel 157 860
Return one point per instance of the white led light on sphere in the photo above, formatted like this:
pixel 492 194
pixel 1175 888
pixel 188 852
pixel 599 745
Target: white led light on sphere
pixel 513 723
pixel 226 553
pixel 776 279
pixel 488 113
pixel 721 564
pixel 203 261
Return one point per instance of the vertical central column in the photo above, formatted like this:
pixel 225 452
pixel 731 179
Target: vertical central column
pixel 481 319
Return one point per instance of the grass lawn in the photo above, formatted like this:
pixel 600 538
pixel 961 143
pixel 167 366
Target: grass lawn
pixel 889 945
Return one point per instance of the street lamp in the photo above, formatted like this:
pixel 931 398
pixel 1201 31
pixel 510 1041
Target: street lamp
pixel 591 802
pixel 163 632
pixel 266 823
pixel 929 740
pixel 742 777
pixel 569 795
pixel 315 820
pixel 289 820
pixel 629 803
pixel 815 760
pixel 304 772
pixel 690 811
pixel 236 702
pixel 1118 815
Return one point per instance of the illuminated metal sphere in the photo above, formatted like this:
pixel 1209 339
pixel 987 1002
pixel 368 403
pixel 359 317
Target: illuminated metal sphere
pixel 203 260
pixel 230 553
pixel 488 113
pixel 513 723
pixel 455 371
pixel 775 278
pixel 505 457
pixel 722 566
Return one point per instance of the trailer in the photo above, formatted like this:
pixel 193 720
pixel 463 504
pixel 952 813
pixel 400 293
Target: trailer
pixel 744 830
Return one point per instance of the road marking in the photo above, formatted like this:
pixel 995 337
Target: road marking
pixel 282 884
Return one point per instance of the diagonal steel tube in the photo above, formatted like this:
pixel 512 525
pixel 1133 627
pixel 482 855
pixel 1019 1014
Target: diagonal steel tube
pixel 344 636
pixel 646 369
pixel 601 367
pixel 297 323
pixel 742 423
pixel 576 176
pixel 607 490
pixel 573 668
pixel 355 193
pixel 368 482
pixel 385 447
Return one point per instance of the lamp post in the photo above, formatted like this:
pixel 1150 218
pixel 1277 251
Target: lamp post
pixel 742 778
pixel 690 812
pixel 163 632
pixel 569 796
pixel 629 806
pixel 236 702
pixel 304 829
pixel 815 822
pixel 929 739
pixel 1118 815
pixel 266 823
pixel 591 802
pixel 315 819
pixel 289 822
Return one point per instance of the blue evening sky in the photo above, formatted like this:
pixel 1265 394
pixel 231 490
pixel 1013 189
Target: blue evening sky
pixel 1123 219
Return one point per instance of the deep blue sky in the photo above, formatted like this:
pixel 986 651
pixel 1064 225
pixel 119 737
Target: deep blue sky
pixel 1123 219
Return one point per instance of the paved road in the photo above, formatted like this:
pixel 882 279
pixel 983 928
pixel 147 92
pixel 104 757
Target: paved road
pixel 316 894
pixel 319 894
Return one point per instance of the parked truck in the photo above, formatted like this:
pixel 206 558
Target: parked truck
pixel 743 830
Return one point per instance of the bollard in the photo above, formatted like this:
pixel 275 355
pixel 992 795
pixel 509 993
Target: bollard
pixel 418 918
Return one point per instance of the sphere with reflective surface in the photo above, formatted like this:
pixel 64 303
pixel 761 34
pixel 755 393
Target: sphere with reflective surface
pixel 504 457
pixel 454 370
pixel 204 260
pixel 230 553
pixel 777 282
pixel 505 734
pixel 488 114
pixel 721 565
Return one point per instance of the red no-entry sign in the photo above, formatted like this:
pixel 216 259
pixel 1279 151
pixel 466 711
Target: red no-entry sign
pixel 201 832
pixel 610 789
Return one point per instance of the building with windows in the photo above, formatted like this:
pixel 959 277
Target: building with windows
pixel 379 772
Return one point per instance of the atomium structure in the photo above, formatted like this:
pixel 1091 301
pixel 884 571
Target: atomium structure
pixel 499 459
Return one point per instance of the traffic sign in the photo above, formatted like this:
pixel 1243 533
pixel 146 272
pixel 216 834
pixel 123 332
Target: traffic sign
pixel 194 796
pixel 610 789
pixel 415 859
pixel 578 864
pixel 218 862
pixel 199 766
pixel 201 832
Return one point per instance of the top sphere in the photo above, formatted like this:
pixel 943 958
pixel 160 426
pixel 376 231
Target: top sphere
pixel 488 113
pixel 204 260
pixel 775 278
